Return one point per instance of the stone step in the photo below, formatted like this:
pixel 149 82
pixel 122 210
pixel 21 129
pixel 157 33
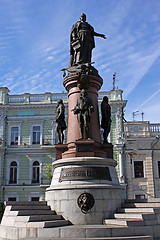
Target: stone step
pixel 74 232
pixel 135 210
pixel 44 224
pixel 142 200
pixel 124 222
pixel 38 218
pixel 58 223
pixel 102 238
pixel 36 212
pixel 131 222
pixel 25 203
pixel 135 200
pixel 141 205
pixel 29 207
pixel 135 216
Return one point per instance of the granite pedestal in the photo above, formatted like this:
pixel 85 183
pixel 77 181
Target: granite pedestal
pixel 75 176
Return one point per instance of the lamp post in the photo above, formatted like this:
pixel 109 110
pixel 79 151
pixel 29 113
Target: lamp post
pixel 153 144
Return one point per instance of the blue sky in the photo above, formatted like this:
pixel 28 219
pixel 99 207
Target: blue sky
pixel 34 46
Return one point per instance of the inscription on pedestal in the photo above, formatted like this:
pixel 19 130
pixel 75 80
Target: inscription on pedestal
pixel 85 173
pixel 85 148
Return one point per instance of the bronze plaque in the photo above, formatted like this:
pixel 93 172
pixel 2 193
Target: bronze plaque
pixel 85 202
pixel 85 148
pixel 85 173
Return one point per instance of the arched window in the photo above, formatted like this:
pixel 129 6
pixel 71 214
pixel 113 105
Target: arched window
pixel 13 172
pixel 35 172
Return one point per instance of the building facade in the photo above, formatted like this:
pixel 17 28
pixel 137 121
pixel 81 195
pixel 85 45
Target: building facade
pixel 27 140
pixel 142 159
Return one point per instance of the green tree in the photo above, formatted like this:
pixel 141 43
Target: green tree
pixel 49 171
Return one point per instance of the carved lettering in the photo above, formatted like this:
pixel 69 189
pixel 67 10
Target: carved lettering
pixel 85 173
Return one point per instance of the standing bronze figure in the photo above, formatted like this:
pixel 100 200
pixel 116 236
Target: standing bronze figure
pixel 106 118
pixel 82 42
pixel 83 109
pixel 60 121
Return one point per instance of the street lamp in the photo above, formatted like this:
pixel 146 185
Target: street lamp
pixel 153 144
pixel 134 114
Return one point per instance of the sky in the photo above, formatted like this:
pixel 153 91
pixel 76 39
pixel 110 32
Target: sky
pixel 34 47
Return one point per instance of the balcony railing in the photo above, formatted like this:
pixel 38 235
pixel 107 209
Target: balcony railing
pixel 36 98
pixel 155 128
pixel 14 99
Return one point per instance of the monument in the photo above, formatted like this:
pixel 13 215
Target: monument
pixel 84 187
pixel 85 190
pixel 106 118
pixel 60 121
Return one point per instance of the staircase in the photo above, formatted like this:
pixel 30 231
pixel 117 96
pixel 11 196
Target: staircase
pixel 134 213
pixel 35 221
pixel 31 214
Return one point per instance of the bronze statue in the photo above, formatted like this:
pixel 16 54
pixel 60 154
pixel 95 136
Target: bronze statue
pixel 106 118
pixel 83 109
pixel 82 42
pixel 60 121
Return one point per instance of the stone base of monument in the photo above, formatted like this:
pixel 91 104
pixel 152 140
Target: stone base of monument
pixel 87 148
pixel 85 190
pixel 135 219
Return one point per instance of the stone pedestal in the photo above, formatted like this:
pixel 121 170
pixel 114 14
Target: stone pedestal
pixel 87 148
pixel 73 133
pixel 84 187
pixel 74 177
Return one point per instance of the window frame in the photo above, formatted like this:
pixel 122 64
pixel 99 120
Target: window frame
pixel 140 194
pixel 133 170
pixel 37 135
pixel 14 142
pixel 14 172
pixel 12 195
pixel 31 161
pixel 36 124
pixel 34 169
pixel 10 126
pixel 54 135
pixel 34 194
pixel 9 161
pixel 158 172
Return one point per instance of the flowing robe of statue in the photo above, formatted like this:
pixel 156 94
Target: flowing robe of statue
pixel 82 42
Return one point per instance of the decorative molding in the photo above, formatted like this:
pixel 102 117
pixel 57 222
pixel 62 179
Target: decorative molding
pixel 139 188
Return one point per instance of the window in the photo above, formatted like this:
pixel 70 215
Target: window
pixel 34 199
pixel 14 135
pixel 12 199
pixel 36 135
pixel 35 196
pixel 36 132
pixel 140 196
pixel 35 167
pixel 36 172
pixel 14 129
pixel 159 169
pixel 55 138
pixel 13 173
pixel 138 169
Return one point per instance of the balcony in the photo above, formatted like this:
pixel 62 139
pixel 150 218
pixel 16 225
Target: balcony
pixel 154 129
